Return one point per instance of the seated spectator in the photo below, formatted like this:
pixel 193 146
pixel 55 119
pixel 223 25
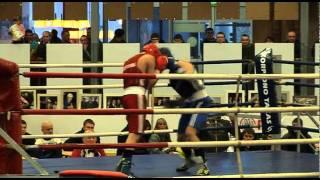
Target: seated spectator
pixel 178 39
pixel 161 124
pixel 88 124
pixel 118 36
pixel 248 135
pixel 293 134
pixel 88 152
pixel 47 129
pixel 24 132
pixel 144 138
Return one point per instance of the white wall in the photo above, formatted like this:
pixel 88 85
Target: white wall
pixel 20 54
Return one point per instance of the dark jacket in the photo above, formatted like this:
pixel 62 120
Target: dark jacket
pixel 304 148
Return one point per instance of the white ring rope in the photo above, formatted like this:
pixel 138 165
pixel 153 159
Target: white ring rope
pixel 267 175
pixel 242 143
pixel 235 110
pixel 92 134
pixel 237 76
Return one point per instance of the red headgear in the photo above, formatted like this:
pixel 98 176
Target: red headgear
pixel 161 61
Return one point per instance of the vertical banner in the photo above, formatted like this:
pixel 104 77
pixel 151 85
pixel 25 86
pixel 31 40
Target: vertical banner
pixel 267 92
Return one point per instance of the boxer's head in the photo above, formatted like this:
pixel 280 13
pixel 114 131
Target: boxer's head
pixel 161 60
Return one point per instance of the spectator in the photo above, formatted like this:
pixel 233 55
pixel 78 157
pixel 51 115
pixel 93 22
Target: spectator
pixel 293 134
pixel 144 138
pixel 209 38
pixel 161 124
pixel 54 37
pixel 88 124
pixel 88 152
pixel 41 51
pixel 28 37
pixel 247 67
pixel 155 38
pixel 47 129
pixel 86 56
pixel 118 36
pixel 17 31
pixel 221 38
pixel 248 135
pixel 24 132
pixel 269 39
pixel 178 39
pixel 65 35
pixel 292 38
pixel 34 43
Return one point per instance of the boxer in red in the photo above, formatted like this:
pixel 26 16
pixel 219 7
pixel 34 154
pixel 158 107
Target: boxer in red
pixel 135 95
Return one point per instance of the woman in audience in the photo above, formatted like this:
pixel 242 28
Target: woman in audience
pixel 161 124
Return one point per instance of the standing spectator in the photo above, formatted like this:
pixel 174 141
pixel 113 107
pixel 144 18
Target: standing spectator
pixel 17 31
pixel 118 36
pixel 54 37
pixel 178 39
pixel 65 35
pixel 88 124
pixel 209 38
pixel 221 38
pixel 293 134
pixel 292 38
pixel 34 43
pixel 247 67
pixel 88 152
pixel 47 129
pixel 86 56
pixel 161 124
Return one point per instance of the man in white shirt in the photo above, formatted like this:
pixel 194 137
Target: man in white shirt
pixel 47 128
pixel 17 31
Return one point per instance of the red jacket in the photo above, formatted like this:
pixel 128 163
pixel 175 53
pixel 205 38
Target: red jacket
pixel 88 153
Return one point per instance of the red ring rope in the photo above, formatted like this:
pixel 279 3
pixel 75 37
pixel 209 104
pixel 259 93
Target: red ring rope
pixel 88 75
pixel 85 111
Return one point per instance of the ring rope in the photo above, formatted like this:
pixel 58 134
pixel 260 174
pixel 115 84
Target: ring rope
pixel 170 76
pixel 119 111
pixel 177 144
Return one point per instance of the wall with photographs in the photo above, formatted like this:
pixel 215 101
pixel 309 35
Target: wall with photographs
pixel 9 52
pixel 281 51
pixel 225 51
pixel 317 70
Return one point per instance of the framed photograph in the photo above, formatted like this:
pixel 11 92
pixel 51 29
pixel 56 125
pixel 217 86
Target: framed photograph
pixel 305 100
pixel 70 99
pixel 231 97
pixel 48 101
pixel 159 101
pixel 112 101
pixel 28 99
pixel 90 101
pixel 285 97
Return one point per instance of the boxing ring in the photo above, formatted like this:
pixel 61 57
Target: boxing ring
pixel 238 164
